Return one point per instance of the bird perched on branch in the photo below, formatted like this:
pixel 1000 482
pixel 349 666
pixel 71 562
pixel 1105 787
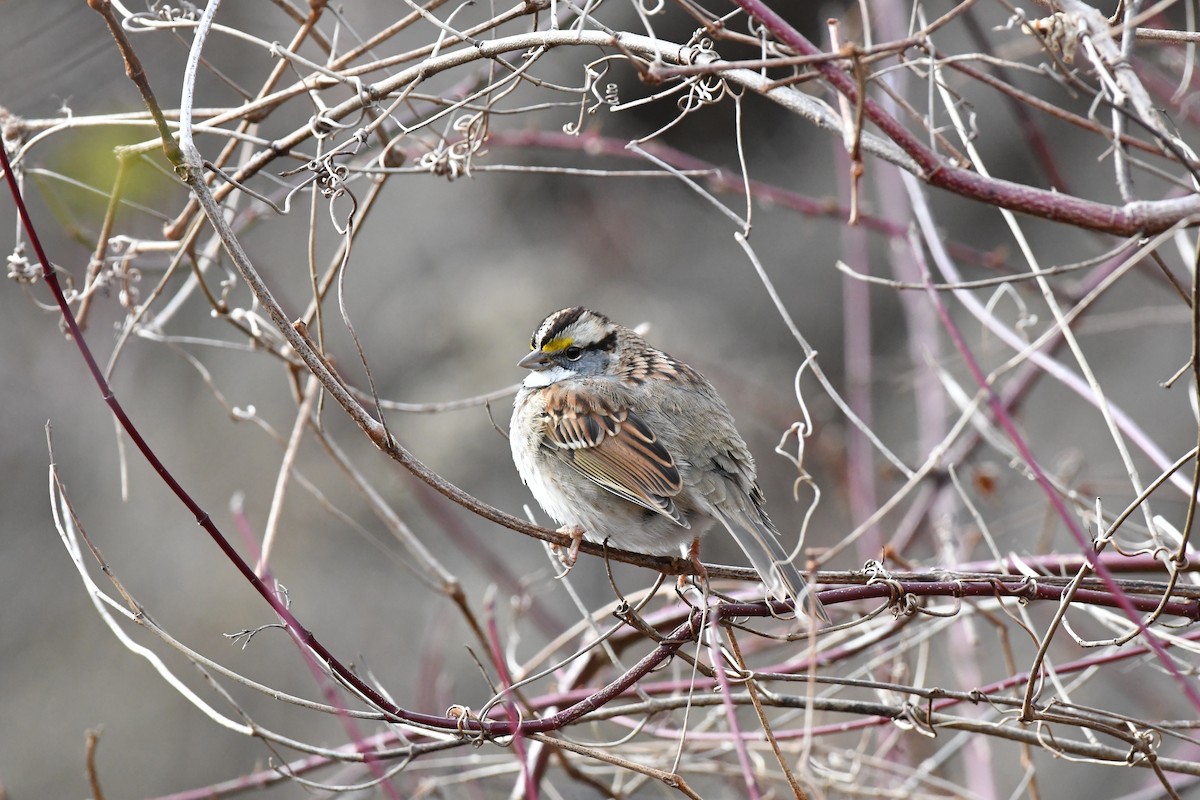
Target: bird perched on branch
pixel 618 440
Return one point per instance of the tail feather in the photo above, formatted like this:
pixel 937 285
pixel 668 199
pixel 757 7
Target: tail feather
pixel 761 545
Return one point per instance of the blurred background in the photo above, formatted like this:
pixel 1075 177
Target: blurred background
pixel 445 283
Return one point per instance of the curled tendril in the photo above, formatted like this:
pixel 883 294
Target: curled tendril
pixel 1145 742
pixel 703 91
pixel 461 715
pixel 707 89
pixel 875 571
pixel 502 740
pixel 1029 590
pixel 916 718
pixel 763 35
pixel 901 602
pixel 331 180
pixel 702 46
pixel 756 28
pixel 128 278
pixel 328 175
pixel 320 125
pixel 164 12
pixel 594 73
pixel 453 159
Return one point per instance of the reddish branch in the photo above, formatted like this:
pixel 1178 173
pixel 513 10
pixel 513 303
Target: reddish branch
pixel 1142 217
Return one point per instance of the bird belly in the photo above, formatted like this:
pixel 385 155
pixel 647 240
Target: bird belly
pixel 572 500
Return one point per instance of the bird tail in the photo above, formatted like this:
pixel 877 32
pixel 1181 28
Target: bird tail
pixel 761 545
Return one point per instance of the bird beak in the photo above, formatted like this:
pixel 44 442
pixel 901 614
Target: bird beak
pixel 535 360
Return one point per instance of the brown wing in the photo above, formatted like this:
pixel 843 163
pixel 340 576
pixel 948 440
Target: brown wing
pixel 614 448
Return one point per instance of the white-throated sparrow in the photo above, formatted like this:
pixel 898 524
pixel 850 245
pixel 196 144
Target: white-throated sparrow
pixel 620 441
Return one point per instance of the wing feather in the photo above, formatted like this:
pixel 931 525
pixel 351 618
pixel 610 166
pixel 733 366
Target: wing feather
pixel 616 449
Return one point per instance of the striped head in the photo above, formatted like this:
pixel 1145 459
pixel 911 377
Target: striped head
pixel 573 342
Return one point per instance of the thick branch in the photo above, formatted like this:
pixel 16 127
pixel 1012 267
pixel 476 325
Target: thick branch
pixel 1139 217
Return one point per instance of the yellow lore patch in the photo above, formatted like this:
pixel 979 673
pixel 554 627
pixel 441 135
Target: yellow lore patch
pixel 558 344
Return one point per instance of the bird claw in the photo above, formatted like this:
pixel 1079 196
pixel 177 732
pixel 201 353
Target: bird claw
pixel 569 558
pixel 701 574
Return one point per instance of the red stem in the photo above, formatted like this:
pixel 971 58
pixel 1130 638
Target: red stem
pixel 1125 220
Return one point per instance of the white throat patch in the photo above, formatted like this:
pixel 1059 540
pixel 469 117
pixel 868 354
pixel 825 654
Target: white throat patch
pixel 545 377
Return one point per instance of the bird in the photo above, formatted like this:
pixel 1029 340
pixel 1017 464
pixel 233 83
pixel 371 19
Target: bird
pixel 620 442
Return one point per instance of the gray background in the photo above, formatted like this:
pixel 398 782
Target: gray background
pixel 446 283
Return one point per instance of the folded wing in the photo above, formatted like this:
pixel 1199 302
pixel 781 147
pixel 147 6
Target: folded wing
pixel 616 449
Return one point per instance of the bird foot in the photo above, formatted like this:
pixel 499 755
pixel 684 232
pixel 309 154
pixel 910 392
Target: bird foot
pixel 568 558
pixel 701 575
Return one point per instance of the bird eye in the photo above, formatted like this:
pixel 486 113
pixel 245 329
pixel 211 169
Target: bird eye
pixel 573 353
